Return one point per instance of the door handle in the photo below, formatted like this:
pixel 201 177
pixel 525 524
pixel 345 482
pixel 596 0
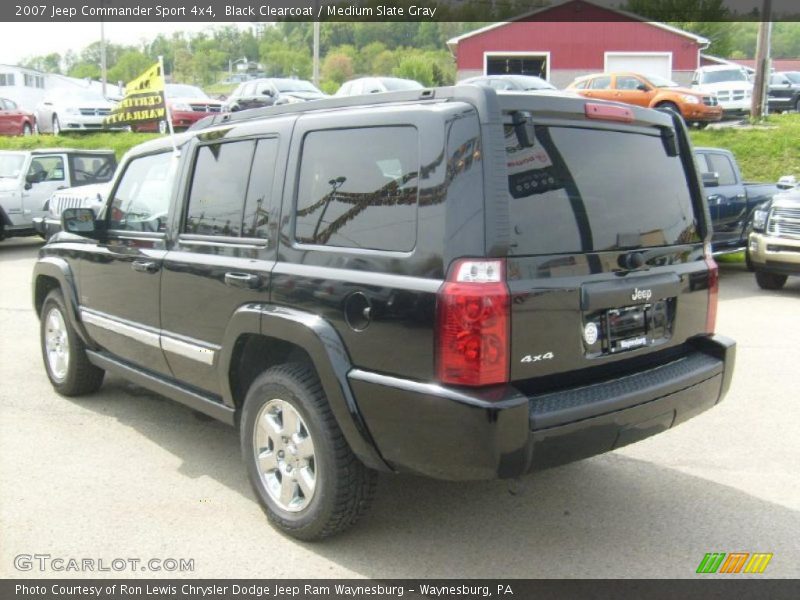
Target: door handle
pixel 242 280
pixel 144 266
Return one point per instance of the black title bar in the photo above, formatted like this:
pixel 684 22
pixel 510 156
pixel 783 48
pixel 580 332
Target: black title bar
pixel 384 10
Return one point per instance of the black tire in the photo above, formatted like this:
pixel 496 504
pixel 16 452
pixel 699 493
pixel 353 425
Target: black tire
pixel 80 376
pixel 56 125
pixel 770 281
pixel 344 487
pixel 748 260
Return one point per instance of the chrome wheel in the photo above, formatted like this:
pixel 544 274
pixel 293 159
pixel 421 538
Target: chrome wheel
pixel 284 453
pixel 56 344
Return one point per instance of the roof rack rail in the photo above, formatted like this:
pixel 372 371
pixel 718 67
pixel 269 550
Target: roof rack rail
pixel 475 95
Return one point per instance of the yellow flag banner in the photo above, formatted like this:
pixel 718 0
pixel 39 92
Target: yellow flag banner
pixel 144 99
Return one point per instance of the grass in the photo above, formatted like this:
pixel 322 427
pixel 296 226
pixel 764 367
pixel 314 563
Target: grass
pixel 765 152
pixel 120 142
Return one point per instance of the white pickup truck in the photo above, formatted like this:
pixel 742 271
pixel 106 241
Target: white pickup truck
pixel 28 179
pixel 729 83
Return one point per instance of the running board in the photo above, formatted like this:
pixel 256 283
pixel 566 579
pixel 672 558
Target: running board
pixel 195 400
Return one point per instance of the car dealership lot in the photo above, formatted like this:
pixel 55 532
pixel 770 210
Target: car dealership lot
pixel 127 474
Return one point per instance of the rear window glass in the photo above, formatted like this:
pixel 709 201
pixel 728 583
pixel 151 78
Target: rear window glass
pixel 358 188
pixel 589 190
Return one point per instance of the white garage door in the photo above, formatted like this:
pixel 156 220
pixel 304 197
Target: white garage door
pixel 646 63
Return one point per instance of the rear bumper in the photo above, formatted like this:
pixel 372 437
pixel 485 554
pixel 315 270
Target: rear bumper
pixel 461 434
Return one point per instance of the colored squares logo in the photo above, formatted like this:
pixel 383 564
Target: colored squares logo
pixel 734 562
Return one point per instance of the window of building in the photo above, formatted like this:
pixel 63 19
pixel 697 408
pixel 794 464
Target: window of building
pixel 7 79
pixel 358 188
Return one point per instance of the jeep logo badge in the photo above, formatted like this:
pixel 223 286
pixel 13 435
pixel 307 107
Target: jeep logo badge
pixel 641 294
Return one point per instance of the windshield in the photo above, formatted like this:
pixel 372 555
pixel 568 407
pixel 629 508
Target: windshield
pixel 531 83
pixel 295 85
pixel 11 165
pixel 396 85
pixel 722 76
pixel 80 95
pixel 661 82
pixel 593 200
pixel 184 91
pixel 793 76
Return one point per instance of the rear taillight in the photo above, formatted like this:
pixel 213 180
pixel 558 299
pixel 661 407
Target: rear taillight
pixel 713 290
pixel 472 314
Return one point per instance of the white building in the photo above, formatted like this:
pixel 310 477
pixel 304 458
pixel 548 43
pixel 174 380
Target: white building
pixel 28 87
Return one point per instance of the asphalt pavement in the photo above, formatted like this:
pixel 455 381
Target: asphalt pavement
pixel 127 474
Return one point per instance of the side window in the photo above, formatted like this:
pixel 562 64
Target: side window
pixel 702 163
pixel 255 223
pixel 358 188
pixel 219 187
pixel 601 83
pixel 91 169
pixel 722 165
pixel 581 85
pixel 141 200
pixel 358 87
pixel 47 168
pixel 500 84
pixel 625 82
pixel 10 104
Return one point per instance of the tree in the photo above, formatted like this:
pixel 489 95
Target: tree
pixel 130 65
pixel 85 70
pixel 337 67
pixel 49 63
pixel 416 68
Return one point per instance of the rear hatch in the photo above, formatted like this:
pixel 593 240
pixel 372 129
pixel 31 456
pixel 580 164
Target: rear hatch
pixel 605 264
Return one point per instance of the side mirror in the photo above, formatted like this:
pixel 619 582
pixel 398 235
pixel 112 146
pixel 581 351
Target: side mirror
pixel 80 221
pixel 268 92
pixel 710 179
pixel 787 182
pixel 642 88
pixel 695 82
pixel 35 177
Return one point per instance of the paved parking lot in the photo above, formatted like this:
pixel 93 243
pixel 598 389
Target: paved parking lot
pixel 127 474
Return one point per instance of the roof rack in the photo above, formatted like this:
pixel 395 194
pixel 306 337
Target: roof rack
pixel 475 95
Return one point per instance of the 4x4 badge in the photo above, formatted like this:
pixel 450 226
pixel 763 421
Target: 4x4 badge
pixel 537 357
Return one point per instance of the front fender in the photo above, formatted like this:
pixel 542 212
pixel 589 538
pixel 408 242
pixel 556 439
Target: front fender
pixel 58 269
pixel 330 359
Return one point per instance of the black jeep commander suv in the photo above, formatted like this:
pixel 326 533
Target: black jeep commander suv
pixel 447 282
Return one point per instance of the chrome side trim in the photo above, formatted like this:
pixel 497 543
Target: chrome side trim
pixel 145 336
pixel 187 350
pixel 150 337
pixel 435 390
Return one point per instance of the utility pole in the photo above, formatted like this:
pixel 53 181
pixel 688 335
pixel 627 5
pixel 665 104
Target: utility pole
pixel 759 105
pixel 103 66
pixel 315 76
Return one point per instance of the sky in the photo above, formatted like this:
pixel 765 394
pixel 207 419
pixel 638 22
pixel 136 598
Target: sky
pixel 22 40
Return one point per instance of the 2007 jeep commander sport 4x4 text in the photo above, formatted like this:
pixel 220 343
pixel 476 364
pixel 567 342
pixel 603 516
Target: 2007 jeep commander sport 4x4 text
pixel 447 282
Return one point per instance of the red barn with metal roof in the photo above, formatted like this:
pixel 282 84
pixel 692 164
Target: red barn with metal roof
pixel 576 37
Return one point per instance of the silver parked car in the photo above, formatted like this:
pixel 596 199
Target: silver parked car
pixel 512 83
pixel 73 110
pixel 376 85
